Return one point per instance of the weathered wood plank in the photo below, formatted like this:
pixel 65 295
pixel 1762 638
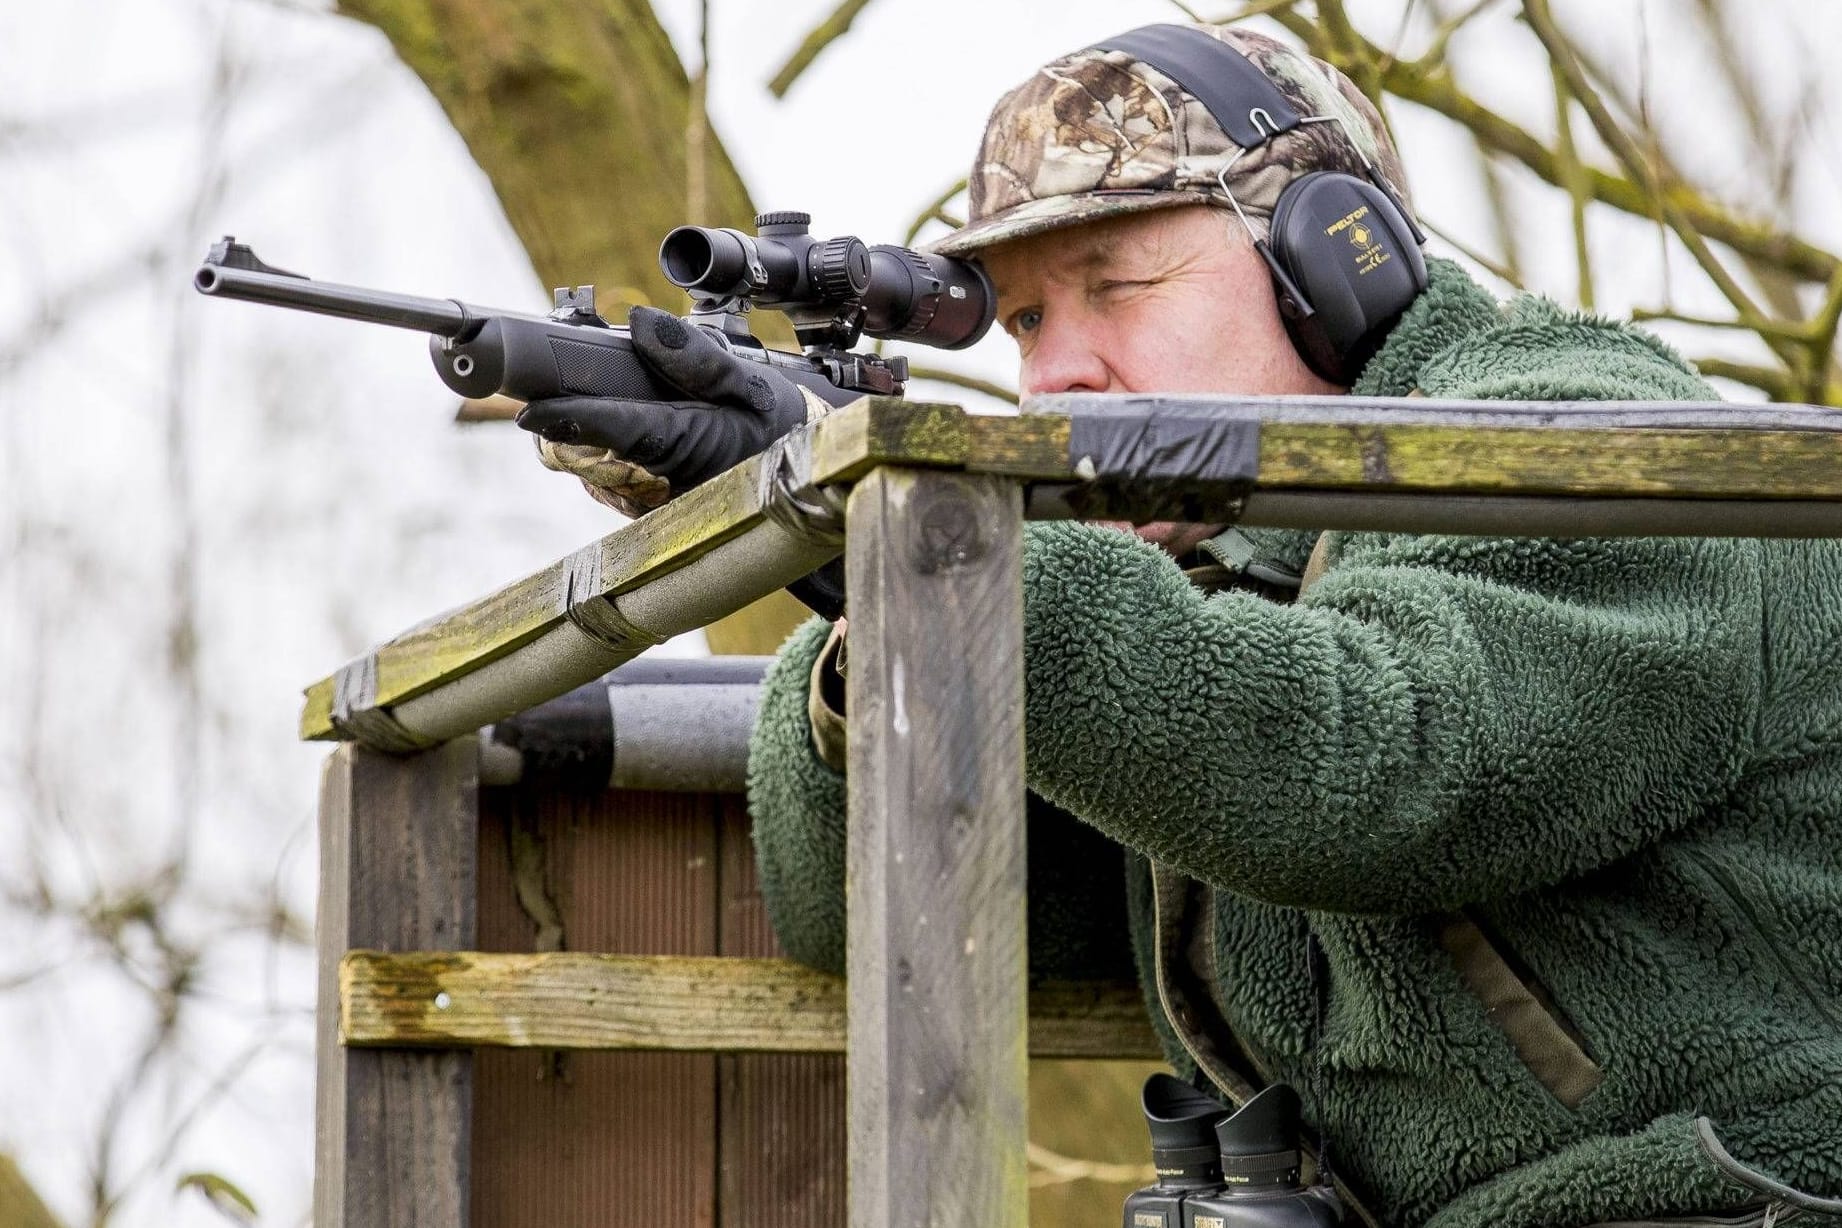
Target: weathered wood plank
pixel 780 1133
pixel 725 1004
pixel 938 1069
pixel 1701 464
pixel 1394 452
pixel 481 632
pixel 889 430
pixel 397 871
pixel 469 638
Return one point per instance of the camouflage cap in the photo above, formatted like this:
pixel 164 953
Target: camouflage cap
pixel 1099 133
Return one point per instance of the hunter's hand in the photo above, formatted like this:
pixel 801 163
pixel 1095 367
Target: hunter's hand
pixel 646 452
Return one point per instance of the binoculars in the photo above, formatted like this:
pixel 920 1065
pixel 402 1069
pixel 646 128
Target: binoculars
pixel 1223 1168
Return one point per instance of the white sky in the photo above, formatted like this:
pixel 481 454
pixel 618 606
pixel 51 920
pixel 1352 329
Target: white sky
pixel 325 500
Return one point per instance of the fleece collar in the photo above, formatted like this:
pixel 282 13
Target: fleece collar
pixel 1451 309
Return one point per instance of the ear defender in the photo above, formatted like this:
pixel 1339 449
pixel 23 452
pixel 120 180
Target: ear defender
pixel 1344 253
pixel 1345 264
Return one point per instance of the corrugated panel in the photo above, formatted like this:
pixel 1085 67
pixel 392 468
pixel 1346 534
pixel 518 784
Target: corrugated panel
pixel 781 1141
pixel 598 1140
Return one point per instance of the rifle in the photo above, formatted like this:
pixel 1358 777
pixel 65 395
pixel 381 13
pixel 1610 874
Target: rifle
pixel 835 291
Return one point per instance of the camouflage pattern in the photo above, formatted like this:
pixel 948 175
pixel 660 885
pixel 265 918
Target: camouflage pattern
pixel 610 479
pixel 627 486
pixel 1097 133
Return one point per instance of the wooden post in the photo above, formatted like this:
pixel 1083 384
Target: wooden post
pixel 397 873
pixel 936 1061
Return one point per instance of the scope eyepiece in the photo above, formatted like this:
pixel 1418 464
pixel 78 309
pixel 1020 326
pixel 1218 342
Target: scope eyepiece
pixel 713 263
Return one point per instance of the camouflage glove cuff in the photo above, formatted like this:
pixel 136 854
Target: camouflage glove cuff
pixel 620 484
pixel 643 452
pixel 625 485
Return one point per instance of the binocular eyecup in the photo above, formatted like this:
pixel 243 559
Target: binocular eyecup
pixel 1223 1168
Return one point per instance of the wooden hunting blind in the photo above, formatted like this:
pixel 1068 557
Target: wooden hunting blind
pixel 548 993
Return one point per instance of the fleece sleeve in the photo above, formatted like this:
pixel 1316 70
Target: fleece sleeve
pixel 1441 720
pixel 1077 898
pixel 798 808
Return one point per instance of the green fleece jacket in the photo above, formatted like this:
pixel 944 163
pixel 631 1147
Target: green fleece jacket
pixel 1621 759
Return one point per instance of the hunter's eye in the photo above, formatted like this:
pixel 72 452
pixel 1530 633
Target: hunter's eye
pixel 1026 320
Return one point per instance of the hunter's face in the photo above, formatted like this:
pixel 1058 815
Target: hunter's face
pixel 1175 300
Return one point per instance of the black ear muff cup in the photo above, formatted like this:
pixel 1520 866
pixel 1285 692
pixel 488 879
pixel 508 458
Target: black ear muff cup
pixel 1351 258
pixel 1345 258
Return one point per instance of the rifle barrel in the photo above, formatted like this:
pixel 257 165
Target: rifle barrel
pixel 443 316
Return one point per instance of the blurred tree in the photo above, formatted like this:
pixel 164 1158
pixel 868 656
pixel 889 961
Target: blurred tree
pixel 1794 299
pixel 593 135
pixel 19 1205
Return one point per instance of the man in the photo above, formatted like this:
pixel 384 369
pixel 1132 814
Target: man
pixel 1521 858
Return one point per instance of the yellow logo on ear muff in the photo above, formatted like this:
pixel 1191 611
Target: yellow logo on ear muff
pixel 1359 235
pixel 1352 218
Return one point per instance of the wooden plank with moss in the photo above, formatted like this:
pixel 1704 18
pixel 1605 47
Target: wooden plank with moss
pixel 574 1000
pixel 1428 450
pixel 482 631
pixel 1700 464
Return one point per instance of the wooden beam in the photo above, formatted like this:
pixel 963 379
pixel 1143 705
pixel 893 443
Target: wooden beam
pixel 938 1023
pixel 397 870
pixel 1373 463
pixel 481 632
pixel 575 1000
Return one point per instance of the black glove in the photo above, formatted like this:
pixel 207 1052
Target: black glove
pixel 635 455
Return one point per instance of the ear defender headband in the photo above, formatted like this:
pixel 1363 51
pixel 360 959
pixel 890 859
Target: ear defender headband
pixel 1344 252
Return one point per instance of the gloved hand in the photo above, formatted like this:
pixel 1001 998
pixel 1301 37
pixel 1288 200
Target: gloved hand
pixel 647 452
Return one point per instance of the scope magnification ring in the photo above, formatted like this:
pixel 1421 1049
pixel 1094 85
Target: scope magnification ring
pixel 927 300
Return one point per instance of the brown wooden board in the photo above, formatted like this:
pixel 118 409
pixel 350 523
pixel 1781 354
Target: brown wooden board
pixel 595 1140
pixel 573 1139
pixel 780 1116
pixel 684 1003
pixel 397 872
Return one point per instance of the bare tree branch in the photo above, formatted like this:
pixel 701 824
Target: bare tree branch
pixel 1639 166
pixel 1573 171
pixel 935 211
pixel 973 382
pixel 1504 272
pixel 1776 383
pixel 1431 86
pixel 827 32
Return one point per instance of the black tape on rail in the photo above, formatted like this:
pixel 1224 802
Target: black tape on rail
pixel 1162 460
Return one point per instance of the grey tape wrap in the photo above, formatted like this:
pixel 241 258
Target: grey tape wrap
pixel 595 614
pixel 357 716
pixel 654 723
pixel 1161 460
pixel 810 514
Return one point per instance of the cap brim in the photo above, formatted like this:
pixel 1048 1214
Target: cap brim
pixel 1034 217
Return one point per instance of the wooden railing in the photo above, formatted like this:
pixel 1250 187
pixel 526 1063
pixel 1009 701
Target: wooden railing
pixel 927 503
